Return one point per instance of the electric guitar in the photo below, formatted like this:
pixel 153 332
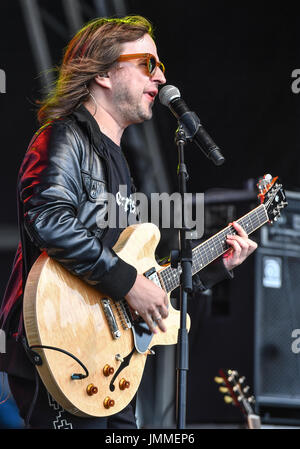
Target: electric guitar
pixel 236 392
pixel 89 350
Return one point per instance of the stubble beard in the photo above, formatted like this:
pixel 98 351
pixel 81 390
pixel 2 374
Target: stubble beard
pixel 132 107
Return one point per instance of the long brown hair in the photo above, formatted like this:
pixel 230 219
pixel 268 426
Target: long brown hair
pixel 93 50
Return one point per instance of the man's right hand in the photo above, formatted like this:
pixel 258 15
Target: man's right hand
pixel 150 302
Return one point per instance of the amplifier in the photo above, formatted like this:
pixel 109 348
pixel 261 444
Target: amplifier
pixel 285 233
pixel 277 315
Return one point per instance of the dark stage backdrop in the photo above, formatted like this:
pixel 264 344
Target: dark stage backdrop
pixel 235 64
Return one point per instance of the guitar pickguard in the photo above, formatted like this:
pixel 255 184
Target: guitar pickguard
pixel 142 335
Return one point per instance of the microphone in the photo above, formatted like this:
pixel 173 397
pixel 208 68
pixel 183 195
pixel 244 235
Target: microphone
pixel 170 96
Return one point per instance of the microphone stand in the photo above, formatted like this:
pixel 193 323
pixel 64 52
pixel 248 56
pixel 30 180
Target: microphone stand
pixel 184 257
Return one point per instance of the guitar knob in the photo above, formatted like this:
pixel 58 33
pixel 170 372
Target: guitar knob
pixel 119 358
pixel 268 178
pixel 108 370
pixel 91 389
pixel 108 402
pixel 223 389
pixel 219 380
pixel 228 399
pixel 124 384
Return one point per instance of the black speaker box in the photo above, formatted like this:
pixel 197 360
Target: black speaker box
pixel 221 335
pixel 277 318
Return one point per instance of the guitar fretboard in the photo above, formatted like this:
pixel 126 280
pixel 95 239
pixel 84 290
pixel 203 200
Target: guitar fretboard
pixel 211 249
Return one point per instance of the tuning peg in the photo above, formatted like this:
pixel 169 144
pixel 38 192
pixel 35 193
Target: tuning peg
pixel 232 374
pixel 246 389
pixel 242 379
pixel 223 389
pixel 251 399
pixel 264 181
pixel 228 399
pixel 283 204
pixel 219 380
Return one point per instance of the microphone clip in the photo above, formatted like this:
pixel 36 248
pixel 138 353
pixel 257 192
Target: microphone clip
pixel 190 124
pixel 180 141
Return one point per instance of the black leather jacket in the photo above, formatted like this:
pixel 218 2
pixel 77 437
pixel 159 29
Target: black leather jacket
pixel 64 170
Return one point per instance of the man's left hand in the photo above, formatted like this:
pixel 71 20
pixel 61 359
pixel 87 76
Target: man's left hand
pixel 241 247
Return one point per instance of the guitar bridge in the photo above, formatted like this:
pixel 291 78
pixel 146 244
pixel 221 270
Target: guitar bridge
pixel 110 318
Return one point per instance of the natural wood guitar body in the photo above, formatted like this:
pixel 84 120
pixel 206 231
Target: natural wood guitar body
pixel 64 312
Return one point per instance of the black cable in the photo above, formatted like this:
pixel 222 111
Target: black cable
pixel 33 403
pixel 74 376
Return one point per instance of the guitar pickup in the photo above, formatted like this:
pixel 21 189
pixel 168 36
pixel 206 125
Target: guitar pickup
pixel 123 315
pixel 110 318
pixel 153 276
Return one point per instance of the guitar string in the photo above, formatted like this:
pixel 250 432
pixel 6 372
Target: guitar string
pixel 202 254
pixel 120 313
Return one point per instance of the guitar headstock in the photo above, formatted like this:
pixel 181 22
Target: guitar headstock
pixel 272 195
pixel 235 390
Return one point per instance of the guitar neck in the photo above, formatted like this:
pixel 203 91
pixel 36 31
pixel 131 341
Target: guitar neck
pixel 254 422
pixel 214 247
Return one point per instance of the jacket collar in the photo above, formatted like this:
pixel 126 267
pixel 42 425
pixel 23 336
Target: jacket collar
pixel 86 120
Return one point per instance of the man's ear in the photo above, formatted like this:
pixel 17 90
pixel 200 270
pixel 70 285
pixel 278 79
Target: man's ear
pixel 102 79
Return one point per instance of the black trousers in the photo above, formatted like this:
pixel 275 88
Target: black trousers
pixel 39 410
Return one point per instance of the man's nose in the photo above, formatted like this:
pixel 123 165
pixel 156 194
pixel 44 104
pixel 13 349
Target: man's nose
pixel 159 76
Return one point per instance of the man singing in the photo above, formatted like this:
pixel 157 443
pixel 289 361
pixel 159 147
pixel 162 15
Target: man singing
pixel 108 80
